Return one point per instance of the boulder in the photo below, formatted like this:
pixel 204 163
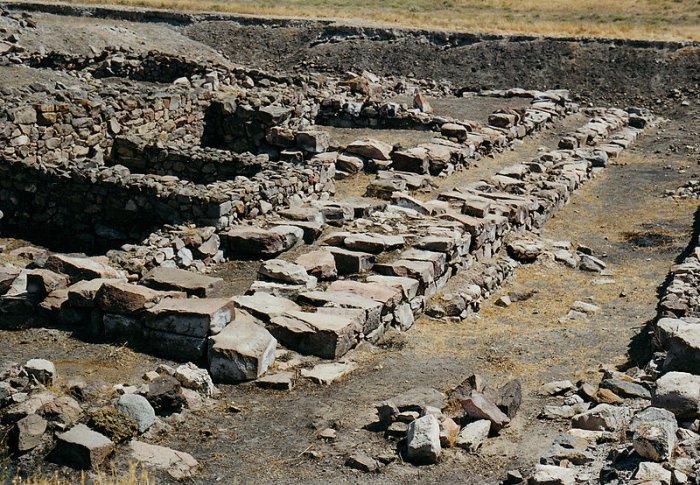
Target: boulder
pixel 423 440
pixel 242 351
pixel 684 350
pixel 655 440
pixel 139 409
pixel 453 130
pixel 194 317
pixel 177 464
pixel 174 279
pixel 370 148
pixel 253 241
pixel 7 277
pixel 81 447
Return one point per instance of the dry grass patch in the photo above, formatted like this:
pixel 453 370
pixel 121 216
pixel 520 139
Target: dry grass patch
pixel 639 19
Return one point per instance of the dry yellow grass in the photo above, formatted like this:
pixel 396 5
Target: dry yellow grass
pixel 640 19
pixel 135 476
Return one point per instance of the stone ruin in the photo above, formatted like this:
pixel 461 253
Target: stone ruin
pixel 164 170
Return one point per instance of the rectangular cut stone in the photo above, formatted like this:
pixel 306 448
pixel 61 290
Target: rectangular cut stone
pixel 388 296
pixel 174 279
pixel 242 351
pixel 82 294
pixel 422 270
pixel 372 309
pixel 265 306
pixel 325 335
pixel 254 241
pixel 350 262
pixel 439 260
pixel 125 298
pixel 122 327
pixel 194 317
pixel 408 286
pixel 181 348
pixel 81 447
pixel 80 268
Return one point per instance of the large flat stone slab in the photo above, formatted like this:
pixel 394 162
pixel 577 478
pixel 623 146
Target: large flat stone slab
pixel 80 268
pixel 177 464
pixel 327 335
pixel 337 299
pixel 173 279
pixel 196 317
pixel 264 305
pixel 125 298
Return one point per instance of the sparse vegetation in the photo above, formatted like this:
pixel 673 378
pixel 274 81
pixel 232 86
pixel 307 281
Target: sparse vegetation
pixel 649 19
pixel 136 475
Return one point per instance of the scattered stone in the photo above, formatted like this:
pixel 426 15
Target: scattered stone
pixel 282 381
pixel 177 464
pixel 326 374
pixel 603 417
pixel 80 447
pixel 479 407
pixel 280 270
pixel 192 377
pixel 474 434
pixel 552 475
pixel 29 432
pixel 44 371
pixel 648 472
pixel 556 388
pixel 363 462
pixel 423 440
pixel 165 395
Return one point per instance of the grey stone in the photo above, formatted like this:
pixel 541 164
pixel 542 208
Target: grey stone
pixel 679 392
pixel 139 409
pixel 479 407
pixel 552 475
pixel 326 374
pixel 286 272
pixel 423 440
pixel 29 432
pixel 473 435
pixel 192 377
pixel 648 472
pixel 603 417
pixel 265 306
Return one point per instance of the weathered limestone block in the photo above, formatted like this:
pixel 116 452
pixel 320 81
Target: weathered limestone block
pixel 194 317
pixel 242 351
pixel 80 268
pixel 173 279
pixel 125 298
pixel 325 335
